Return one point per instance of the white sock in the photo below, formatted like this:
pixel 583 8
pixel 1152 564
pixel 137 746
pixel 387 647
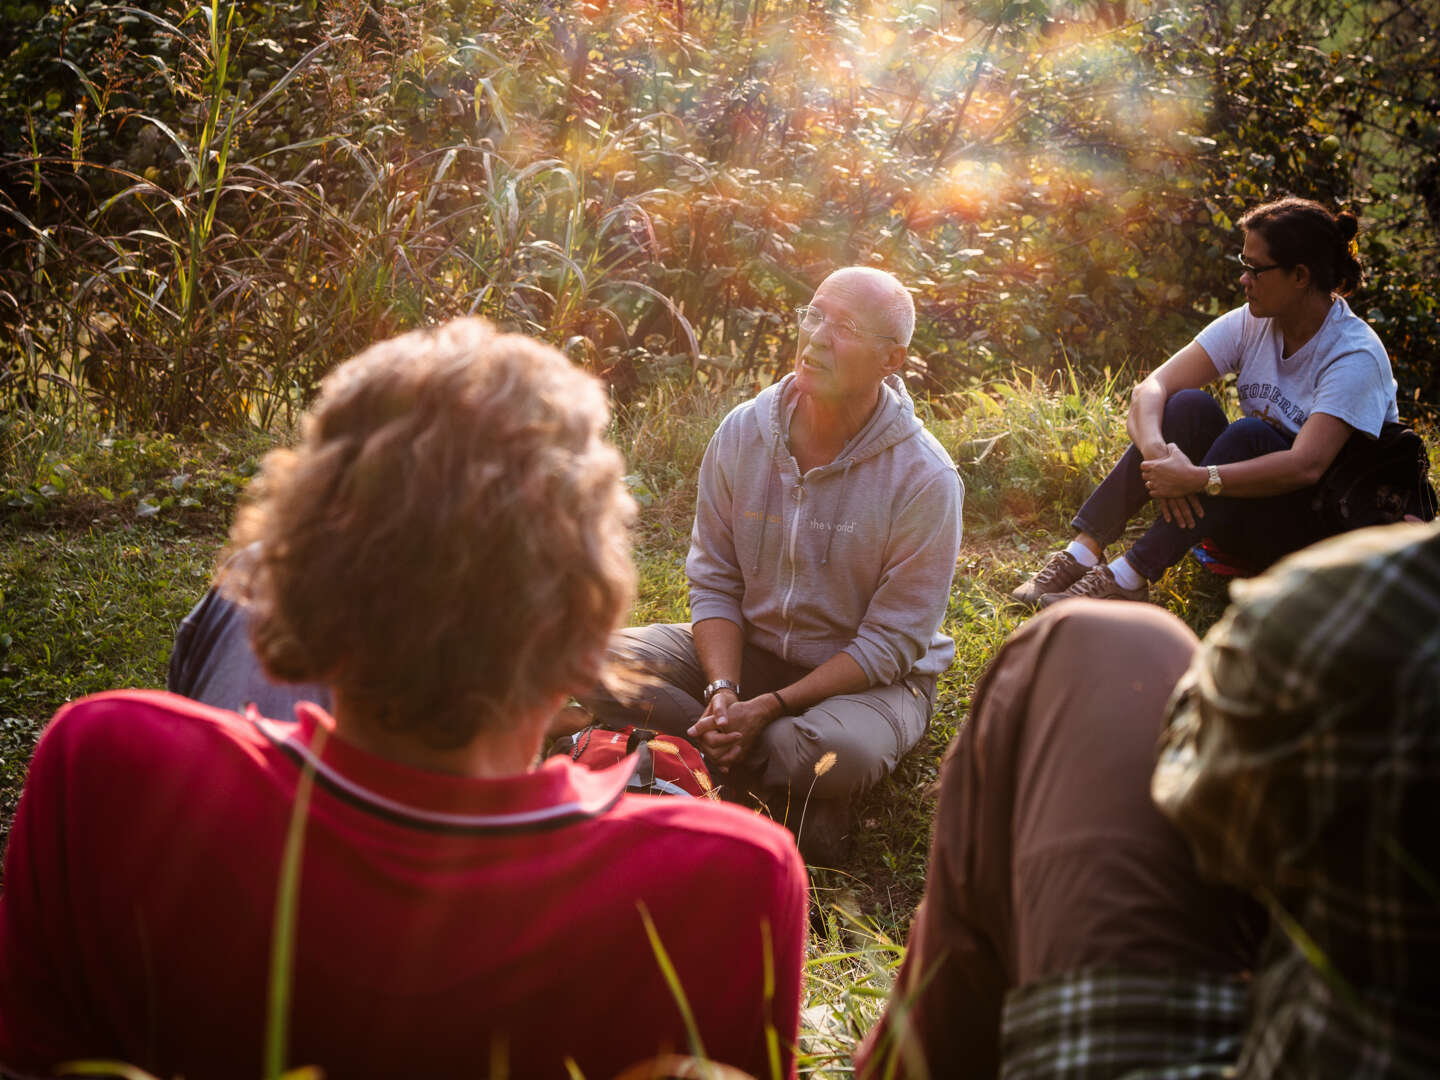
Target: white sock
pixel 1083 555
pixel 1125 575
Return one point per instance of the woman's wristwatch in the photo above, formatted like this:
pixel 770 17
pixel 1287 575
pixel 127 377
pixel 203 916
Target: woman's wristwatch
pixel 1213 485
pixel 718 685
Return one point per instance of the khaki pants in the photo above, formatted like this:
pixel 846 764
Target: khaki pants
pixel 869 732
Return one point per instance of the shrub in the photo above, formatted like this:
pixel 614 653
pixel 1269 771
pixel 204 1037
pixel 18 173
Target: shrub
pixel 208 210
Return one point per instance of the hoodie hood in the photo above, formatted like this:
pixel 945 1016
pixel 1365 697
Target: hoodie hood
pixel 893 421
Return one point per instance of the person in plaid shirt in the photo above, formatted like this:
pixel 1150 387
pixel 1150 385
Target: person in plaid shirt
pixel 1303 764
pixel 1064 929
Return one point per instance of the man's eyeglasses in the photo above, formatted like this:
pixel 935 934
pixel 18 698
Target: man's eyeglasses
pixel 1254 269
pixel 812 318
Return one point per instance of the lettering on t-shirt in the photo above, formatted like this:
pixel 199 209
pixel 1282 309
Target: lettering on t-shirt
pixel 754 515
pixel 1269 403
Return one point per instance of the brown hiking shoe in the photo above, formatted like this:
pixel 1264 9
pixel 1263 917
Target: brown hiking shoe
pixel 1098 584
pixel 1060 571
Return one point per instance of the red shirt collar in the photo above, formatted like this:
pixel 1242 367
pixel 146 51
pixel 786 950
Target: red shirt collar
pixel 556 793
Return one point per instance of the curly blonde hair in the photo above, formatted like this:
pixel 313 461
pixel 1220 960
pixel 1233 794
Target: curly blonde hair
pixel 448 545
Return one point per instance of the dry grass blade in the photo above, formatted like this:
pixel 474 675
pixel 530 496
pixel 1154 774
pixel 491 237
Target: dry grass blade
pixel 680 1067
pixel 101 1067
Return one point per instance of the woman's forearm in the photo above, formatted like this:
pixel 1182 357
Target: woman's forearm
pixel 1189 369
pixel 1277 473
pixel 1147 409
pixel 1282 471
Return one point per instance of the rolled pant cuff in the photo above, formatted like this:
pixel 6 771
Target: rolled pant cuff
pixel 1079 524
pixel 1150 573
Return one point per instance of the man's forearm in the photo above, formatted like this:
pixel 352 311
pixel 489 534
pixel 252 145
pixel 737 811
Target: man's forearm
pixel 719 645
pixel 838 675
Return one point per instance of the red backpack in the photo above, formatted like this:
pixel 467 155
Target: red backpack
pixel 666 764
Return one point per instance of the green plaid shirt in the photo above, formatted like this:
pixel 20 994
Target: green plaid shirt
pixel 1303 762
pixel 1102 1025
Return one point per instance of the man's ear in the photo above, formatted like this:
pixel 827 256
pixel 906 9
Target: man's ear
pixel 895 358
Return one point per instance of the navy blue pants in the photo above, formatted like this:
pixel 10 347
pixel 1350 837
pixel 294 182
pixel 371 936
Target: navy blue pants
pixel 1254 531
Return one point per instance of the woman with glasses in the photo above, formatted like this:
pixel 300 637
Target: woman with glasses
pixel 1309 373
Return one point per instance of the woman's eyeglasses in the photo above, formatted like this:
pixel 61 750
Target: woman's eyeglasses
pixel 1254 269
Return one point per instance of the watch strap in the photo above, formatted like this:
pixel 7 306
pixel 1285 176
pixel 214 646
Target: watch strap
pixel 721 684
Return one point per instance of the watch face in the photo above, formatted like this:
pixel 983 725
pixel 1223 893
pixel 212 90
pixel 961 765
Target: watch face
pixel 718 685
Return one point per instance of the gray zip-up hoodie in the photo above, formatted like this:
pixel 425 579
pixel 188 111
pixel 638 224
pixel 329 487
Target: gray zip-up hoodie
pixel 856 556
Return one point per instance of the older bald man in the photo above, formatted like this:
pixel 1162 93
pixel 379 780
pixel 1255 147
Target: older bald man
pixel 826 532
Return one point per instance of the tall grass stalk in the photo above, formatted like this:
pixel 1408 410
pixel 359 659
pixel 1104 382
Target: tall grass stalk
pixel 287 904
pixel 1314 955
pixel 672 980
pixel 772 1037
pixel 822 766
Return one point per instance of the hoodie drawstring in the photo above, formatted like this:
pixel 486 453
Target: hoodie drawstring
pixel 764 517
pixel 839 503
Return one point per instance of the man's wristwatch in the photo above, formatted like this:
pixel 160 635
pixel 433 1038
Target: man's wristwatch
pixel 718 685
pixel 1213 485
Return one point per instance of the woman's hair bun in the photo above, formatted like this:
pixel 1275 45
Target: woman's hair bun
pixel 1346 222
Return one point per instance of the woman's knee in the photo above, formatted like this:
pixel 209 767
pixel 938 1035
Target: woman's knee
pixel 1193 419
pixel 1248 437
pixel 1191 406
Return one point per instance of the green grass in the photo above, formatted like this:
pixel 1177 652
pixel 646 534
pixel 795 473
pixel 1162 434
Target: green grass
pixel 105 543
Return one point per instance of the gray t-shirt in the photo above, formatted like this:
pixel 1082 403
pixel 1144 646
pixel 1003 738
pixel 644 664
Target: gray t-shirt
pixel 1343 371
pixel 214 663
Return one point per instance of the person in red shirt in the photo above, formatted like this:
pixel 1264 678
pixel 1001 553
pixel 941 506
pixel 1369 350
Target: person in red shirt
pixel 447 551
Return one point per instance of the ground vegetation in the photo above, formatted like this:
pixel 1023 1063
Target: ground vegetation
pixel 106 542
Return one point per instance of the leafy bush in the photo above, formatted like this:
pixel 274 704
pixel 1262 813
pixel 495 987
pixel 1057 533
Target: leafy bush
pixel 208 210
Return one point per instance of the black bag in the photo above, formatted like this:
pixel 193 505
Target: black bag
pixel 1377 481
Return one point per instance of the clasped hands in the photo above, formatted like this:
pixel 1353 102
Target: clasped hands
pixel 728 727
pixel 1175 483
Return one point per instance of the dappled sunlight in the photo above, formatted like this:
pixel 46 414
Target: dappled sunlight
pixel 968 191
pixel 653 184
pixel 1163 115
